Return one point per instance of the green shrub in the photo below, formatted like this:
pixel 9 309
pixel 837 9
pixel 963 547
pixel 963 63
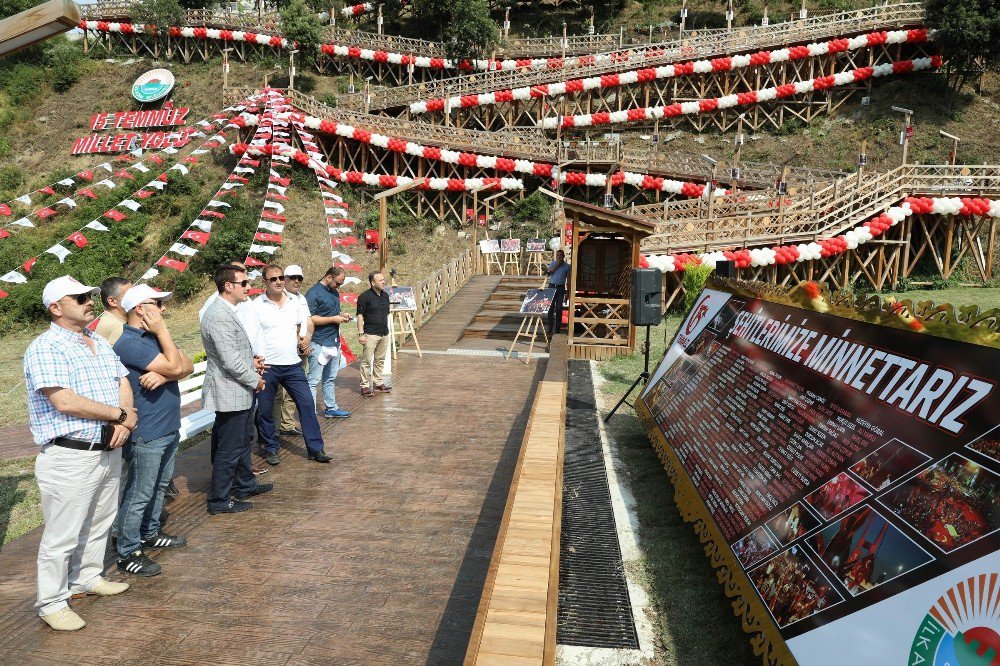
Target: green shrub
pixel 65 59
pixel 694 282
pixel 22 82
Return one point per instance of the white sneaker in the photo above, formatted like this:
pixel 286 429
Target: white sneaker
pixel 106 588
pixel 64 620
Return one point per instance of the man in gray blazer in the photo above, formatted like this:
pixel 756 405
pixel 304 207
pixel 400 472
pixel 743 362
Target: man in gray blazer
pixel 231 383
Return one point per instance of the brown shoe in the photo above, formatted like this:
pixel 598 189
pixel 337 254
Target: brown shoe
pixel 258 470
pixel 382 388
pixel 367 392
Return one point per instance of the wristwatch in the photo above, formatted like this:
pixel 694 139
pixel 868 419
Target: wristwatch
pixel 121 417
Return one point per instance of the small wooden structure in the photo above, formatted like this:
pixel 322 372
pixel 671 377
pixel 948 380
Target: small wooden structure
pixel 603 250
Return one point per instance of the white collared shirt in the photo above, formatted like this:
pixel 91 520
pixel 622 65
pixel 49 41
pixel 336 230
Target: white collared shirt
pixel 281 326
pixel 246 315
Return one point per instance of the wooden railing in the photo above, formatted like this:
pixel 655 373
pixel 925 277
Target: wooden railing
pixel 123 9
pixel 383 42
pixel 708 45
pixel 768 219
pixel 442 284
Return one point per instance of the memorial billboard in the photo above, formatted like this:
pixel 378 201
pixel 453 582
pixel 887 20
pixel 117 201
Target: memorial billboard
pixel 840 462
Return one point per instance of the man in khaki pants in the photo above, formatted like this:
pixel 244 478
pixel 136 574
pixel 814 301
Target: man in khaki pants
pixel 373 334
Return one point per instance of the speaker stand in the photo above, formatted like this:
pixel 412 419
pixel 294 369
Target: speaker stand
pixel 644 375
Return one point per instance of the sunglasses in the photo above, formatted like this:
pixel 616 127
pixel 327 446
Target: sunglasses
pixel 295 278
pixel 82 299
pixel 158 304
pixel 242 283
pixel 276 278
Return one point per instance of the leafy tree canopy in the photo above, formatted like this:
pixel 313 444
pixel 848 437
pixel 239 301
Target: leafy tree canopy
pixel 161 13
pixel 465 26
pixel 968 35
pixel 300 23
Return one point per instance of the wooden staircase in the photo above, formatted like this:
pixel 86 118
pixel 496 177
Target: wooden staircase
pixel 499 318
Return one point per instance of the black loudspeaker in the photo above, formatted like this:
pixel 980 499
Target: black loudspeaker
pixel 647 287
pixel 726 269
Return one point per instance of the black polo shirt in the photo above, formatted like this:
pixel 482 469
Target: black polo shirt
pixel 375 310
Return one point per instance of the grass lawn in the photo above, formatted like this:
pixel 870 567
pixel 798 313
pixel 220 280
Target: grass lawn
pixel 20 511
pixel 694 621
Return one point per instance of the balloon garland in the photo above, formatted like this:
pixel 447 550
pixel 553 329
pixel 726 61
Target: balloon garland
pixel 276 41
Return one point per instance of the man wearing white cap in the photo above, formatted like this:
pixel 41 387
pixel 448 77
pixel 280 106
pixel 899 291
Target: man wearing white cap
pixel 80 412
pixel 154 365
pixel 282 399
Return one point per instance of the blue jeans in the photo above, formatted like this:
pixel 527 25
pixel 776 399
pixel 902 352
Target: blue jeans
pixel 325 373
pixel 150 468
pixel 294 380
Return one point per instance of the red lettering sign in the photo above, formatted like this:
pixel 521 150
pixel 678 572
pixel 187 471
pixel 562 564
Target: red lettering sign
pixel 120 143
pixel 138 119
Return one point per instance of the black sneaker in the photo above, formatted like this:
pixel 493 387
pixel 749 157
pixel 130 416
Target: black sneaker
pixel 259 490
pixel 164 540
pixel 138 564
pixel 273 458
pixel 230 507
pixel 171 490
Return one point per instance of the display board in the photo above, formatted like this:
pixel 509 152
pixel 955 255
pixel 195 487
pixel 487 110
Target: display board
pixel 402 298
pixel 538 301
pixel 843 465
pixel 510 245
pixel 489 246
pixel 536 245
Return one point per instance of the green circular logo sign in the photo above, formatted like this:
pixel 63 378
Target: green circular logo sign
pixel 153 85
pixel 959 629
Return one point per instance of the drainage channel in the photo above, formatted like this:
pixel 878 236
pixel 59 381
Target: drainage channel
pixel 594 606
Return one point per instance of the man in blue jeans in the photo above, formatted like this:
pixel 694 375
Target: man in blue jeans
pixel 558 273
pixel 323 299
pixel 154 365
pixel 283 321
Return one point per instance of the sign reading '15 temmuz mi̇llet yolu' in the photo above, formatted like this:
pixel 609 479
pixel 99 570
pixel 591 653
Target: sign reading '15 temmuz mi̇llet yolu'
pixel 121 143
pixel 850 470
pixel 138 119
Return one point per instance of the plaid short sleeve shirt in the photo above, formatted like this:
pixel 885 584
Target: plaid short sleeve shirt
pixel 60 357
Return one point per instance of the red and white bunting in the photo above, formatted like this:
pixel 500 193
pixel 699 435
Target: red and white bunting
pixel 197 33
pixel 357 10
pixel 828 247
pixel 725 64
pixel 744 99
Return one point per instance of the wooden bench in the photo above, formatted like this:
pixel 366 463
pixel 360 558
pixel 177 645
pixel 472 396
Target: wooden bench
pixel 516 620
pixel 201 420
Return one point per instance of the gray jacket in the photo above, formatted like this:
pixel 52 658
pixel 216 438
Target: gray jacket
pixel 230 378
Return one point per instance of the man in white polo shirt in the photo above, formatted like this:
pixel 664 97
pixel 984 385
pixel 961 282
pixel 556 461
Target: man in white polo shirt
pixel 282 321
pixel 283 400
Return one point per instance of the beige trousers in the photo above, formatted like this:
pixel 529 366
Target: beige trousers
pixel 373 359
pixel 283 403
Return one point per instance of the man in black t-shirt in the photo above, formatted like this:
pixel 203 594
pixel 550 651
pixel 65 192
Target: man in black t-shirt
pixel 373 334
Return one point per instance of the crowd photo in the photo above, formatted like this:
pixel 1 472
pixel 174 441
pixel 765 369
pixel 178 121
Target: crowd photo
pixel 104 408
pixel 793 587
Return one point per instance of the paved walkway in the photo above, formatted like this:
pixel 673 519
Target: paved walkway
pixel 378 558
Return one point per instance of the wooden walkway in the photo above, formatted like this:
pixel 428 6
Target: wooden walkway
pixel 378 558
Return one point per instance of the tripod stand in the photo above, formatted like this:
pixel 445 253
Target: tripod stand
pixel 644 375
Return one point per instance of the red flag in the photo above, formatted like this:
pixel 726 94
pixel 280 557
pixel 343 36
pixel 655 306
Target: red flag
pixel 45 212
pixel 5 210
pixel 86 175
pixel 29 264
pixel 115 215
pixel 3 294
pixel 87 192
pixel 224 193
pixel 239 179
pixel 199 237
pixel 347 240
pixel 167 262
pixel 250 162
pixel 93 325
pixel 4 233
pixel 349 356
pixel 155 159
pixel 268 215
pixel 255 262
pixel 212 213
pixel 351 299
pixel 162 177
pixel 281 181
pixel 47 190
pixel 267 238
pixel 77 239
pixel 124 174
pixel 191 159
pixel 275 195
pixel 351 267
pixel 142 194
pixel 256 291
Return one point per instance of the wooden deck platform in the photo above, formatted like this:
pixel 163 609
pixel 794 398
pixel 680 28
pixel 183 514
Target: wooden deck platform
pixel 377 558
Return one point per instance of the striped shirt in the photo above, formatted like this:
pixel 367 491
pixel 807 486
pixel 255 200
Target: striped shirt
pixel 60 357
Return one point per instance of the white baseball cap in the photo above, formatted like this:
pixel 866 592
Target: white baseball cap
pixel 140 293
pixel 64 286
pixel 294 269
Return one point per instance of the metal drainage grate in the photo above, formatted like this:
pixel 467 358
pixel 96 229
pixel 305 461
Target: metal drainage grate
pixel 594 607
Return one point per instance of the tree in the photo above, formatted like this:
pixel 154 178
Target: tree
pixel 161 13
pixel 968 35
pixel 470 31
pixel 301 24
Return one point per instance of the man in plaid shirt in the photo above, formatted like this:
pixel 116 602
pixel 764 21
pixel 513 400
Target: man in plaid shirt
pixel 80 412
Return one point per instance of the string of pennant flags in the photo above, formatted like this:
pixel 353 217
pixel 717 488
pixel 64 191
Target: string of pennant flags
pixel 79 238
pixel 267 238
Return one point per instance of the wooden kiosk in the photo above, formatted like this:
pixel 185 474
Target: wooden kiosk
pixel 603 249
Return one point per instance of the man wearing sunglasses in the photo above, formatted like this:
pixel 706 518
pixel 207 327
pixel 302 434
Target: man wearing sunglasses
pixel 284 322
pixel 283 402
pixel 231 384
pixel 80 412
pixel 154 365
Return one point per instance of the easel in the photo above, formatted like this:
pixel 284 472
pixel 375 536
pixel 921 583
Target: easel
pixel 405 325
pixel 535 261
pixel 491 257
pixel 529 327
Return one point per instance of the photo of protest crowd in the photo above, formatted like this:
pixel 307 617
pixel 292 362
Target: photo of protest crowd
pixel 754 547
pixel 793 587
pixel 836 496
pixel 952 503
pixel 887 464
pixel 792 523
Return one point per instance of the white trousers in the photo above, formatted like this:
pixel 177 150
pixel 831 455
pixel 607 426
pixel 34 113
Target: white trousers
pixel 79 491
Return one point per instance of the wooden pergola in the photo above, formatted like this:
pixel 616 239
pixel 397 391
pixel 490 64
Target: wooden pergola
pixel 603 249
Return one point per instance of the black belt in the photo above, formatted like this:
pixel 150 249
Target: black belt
pixel 78 444
pixel 557 286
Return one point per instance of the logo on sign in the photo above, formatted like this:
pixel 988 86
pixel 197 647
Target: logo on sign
pixel 956 631
pixel 153 85
pixel 697 314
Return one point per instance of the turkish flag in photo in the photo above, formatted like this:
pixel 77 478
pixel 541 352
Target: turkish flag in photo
pixel 167 262
pixel 349 298
pixel 86 175
pixel 45 212
pixel 142 194
pixel 87 192
pixel 251 261
pixel 77 239
pixel 115 215
pixel 199 237
pixel 47 190
pixel 348 240
pixel 268 238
